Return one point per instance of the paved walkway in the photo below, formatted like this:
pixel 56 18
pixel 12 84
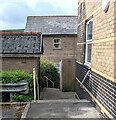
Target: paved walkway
pixel 70 108
pixel 62 106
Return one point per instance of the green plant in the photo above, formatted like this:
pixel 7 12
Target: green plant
pixel 15 77
pixel 22 98
pixel 47 68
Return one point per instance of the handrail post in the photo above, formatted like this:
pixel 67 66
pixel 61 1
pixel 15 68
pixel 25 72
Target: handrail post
pixel 53 85
pixel 47 82
pixel 34 84
pixel 47 79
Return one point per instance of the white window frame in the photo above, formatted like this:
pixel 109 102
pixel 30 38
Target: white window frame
pixel 59 43
pixel 87 43
pixel 58 67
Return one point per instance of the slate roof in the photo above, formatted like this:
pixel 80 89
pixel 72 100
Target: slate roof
pixel 52 24
pixel 21 42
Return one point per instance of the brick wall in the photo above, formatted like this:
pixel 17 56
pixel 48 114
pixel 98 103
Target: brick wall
pixel 101 89
pixel 24 63
pixel 103 51
pixel 103 58
pixel 20 50
pixel 115 38
pixel 103 34
pixel 67 50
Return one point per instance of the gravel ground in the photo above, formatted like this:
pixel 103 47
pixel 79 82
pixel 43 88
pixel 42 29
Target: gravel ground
pixel 12 111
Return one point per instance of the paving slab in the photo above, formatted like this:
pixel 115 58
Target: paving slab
pixel 70 108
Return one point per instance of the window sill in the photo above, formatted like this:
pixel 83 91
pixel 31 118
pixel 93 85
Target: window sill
pixel 87 65
pixel 57 48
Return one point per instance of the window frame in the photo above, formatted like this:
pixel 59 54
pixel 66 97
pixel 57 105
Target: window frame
pixel 57 66
pixel 87 43
pixel 59 43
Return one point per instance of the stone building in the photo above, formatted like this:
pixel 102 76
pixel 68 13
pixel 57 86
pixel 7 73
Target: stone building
pixel 20 50
pixel 59 35
pixel 96 52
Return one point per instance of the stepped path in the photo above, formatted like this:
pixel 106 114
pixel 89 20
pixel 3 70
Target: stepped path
pixel 55 94
pixel 61 105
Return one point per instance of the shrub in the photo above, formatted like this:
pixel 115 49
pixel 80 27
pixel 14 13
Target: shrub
pixel 15 77
pixel 47 68
pixel 22 98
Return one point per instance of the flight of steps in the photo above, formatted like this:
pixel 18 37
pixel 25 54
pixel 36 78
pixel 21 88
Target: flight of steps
pixel 61 107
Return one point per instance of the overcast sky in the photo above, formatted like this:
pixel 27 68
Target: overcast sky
pixel 13 13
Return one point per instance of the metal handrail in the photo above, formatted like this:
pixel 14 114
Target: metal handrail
pixel 21 87
pixel 49 80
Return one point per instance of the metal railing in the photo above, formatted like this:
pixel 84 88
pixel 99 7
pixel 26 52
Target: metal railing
pixel 48 80
pixel 21 87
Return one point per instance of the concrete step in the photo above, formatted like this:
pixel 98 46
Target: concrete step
pixel 64 101
pixel 61 105
pixel 65 108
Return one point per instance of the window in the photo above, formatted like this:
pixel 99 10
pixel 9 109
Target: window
pixel 89 27
pixel 57 66
pixel 57 43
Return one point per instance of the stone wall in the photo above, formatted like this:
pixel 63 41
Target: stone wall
pixel 68 50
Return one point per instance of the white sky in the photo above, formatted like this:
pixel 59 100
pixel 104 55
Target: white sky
pixel 13 13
